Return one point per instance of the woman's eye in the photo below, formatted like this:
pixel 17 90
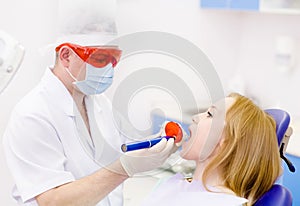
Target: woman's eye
pixel 209 114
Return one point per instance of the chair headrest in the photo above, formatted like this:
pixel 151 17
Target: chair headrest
pixel 282 119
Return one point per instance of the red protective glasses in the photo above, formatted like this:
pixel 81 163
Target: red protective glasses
pixel 98 56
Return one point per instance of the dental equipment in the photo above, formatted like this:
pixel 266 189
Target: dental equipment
pixel 172 130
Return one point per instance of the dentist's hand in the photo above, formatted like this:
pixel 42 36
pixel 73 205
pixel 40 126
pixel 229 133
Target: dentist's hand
pixel 147 159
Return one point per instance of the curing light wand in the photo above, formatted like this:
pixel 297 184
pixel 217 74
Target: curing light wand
pixel 142 145
pixel 172 130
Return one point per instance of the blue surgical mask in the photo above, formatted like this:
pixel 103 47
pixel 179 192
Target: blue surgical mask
pixel 97 80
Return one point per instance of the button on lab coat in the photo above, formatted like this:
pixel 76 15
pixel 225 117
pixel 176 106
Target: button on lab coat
pixel 47 144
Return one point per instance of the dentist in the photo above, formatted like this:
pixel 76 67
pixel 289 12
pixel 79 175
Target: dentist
pixel 61 144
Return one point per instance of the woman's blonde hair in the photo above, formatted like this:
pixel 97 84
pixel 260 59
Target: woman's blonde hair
pixel 248 157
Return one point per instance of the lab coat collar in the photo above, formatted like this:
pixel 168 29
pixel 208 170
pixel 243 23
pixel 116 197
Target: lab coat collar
pixel 59 92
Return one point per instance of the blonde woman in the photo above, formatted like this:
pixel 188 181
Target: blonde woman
pixel 234 145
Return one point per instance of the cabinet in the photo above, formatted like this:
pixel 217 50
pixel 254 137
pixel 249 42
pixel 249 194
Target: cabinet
pixel 266 6
pixel 231 4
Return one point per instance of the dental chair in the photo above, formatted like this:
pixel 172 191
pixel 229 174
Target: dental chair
pixel 279 195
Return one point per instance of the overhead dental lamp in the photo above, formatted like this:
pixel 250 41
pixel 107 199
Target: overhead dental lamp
pixel 11 56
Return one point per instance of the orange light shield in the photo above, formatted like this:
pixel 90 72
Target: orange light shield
pixel 98 56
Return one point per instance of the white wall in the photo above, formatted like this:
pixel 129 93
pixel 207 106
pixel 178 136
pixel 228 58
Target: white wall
pixel 241 42
pixel 241 45
pixel 257 60
pixel 236 42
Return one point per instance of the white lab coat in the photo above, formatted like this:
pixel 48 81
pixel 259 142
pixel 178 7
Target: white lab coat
pixel 47 145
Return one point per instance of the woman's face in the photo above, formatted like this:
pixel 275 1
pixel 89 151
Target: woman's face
pixel 206 131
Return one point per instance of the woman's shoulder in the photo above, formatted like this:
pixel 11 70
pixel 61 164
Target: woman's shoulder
pixel 211 198
pixel 177 191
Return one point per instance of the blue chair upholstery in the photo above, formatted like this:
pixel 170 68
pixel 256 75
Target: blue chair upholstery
pixel 279 195
pixel 282 119
pixel 283 132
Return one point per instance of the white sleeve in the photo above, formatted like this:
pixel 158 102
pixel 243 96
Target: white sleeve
pixel 34 155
